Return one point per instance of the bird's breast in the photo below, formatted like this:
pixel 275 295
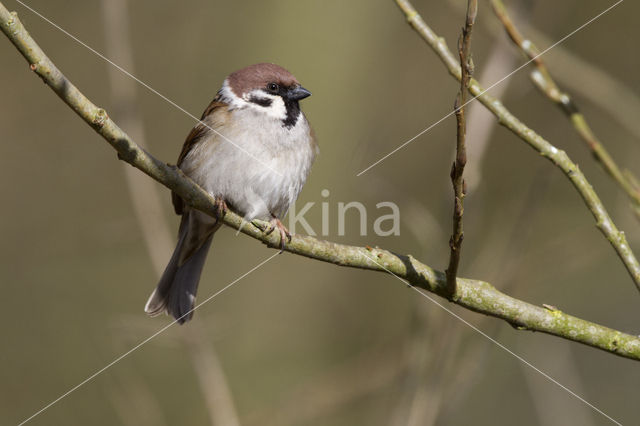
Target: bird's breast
pixel 257 165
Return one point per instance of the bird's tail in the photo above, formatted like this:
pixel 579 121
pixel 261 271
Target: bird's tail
pixel 176 291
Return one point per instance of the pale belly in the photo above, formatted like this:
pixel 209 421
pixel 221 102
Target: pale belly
pixel 258 177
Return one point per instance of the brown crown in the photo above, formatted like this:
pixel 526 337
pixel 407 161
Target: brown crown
pixel 258 76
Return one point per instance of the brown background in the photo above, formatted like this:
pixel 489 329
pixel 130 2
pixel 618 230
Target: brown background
pixel 302 342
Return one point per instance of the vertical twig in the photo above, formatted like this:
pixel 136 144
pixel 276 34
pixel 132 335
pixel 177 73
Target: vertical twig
pixel 463 369
pixel 542 79
pixel 148 212
pixel 619 100
pixel 210 375
pixel 558 157
pixel 457 169
pixel 145 199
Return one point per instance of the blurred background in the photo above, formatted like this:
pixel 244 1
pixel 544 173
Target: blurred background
pixel 300 342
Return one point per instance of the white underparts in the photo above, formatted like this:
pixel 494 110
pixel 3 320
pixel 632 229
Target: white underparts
pixel 255 188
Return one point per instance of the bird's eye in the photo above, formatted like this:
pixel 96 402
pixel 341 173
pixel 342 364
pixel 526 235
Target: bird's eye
pixel 273 87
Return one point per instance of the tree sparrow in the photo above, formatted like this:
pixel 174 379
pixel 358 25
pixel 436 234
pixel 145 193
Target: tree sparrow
pixel 252 151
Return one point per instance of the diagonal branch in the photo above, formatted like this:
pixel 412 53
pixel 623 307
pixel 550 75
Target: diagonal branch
pixel 544 82
pixel 474 295
pixel 557 156
pixel 457 169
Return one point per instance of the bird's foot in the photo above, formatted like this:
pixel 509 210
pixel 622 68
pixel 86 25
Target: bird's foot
pixel 221 208
pixel 273 224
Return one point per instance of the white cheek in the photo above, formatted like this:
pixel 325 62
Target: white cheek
pixel 277 108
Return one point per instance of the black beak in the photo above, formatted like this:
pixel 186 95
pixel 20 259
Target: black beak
pixel 298 93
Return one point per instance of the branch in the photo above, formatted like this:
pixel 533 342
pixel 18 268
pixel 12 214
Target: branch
pixel 474 295
pixel 545 83
pixel 457 169
pixel 616 98
pixel 557 156
pixel 145 200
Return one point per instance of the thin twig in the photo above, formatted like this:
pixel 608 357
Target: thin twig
pixel 151 221
pixel 144 194
pixel 211 377
pixel 464 368
pixel 557 156
pixel 619 100
pixel 457 168
pixel 542 79
pixel 477 296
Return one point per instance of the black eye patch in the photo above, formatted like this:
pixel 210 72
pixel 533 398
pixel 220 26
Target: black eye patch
pixel 264 102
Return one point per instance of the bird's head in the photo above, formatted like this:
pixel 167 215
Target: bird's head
pixel 268 89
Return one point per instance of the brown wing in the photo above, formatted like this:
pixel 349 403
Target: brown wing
pixel 196 134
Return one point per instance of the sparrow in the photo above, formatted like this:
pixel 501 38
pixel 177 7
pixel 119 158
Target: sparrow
pixel 252 151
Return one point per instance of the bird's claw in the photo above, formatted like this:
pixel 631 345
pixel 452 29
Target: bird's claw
pixel 273 224
pixel 221 208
